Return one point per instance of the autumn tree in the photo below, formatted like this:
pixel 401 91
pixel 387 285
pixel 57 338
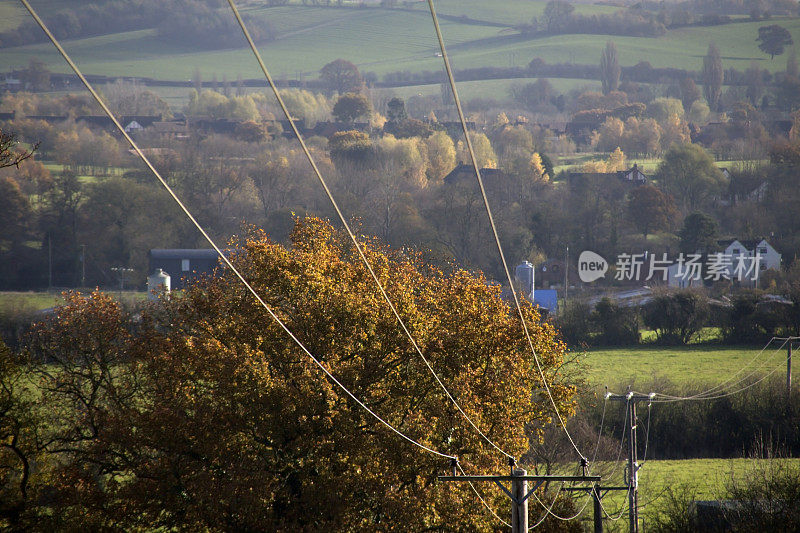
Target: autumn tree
pixel 609 68
pixel 698 233
pixel 689 93
pixel 791 64
pixel 441 155
pixel 772 39
pixel 661 109
pixel 755 83
pixel 15 212
pixel 131 98
pixel 37 75
pixel 10 154
pixel 650 209
pixel 251 131
pixel 482 146
pixel 18 446
pixel 396 110
pixel 350 106
pixel 688 173
pixel 556 14
pixel 208 417
pixel 341 76
pixel 712 76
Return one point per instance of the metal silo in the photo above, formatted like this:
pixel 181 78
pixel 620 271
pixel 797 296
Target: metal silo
pixel 524 274
pixel 158 284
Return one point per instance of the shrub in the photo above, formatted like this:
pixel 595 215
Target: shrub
pixel 617 325
pixel 676 317
pixel 574 323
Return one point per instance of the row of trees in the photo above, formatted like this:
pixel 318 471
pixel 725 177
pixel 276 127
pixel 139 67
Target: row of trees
pixel 559 17
pixel 679 317
pixel 394 184
pixel 196 22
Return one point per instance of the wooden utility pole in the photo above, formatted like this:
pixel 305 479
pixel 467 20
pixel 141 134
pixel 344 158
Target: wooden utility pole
pixel 789 370
pixel 598 509
pixel 520 491
pixel 632 471
pixel 566 276
pixel 49 261
pixel 83 265
pixel 519 501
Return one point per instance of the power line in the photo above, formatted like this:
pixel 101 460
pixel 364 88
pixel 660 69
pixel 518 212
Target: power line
pixel 729 383
pixel 211 241
pixel 347 227
pixel 547 510
pixel 468 141
pixel 562 518
pixel 483 501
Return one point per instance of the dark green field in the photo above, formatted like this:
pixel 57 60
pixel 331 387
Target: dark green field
pixel 384 40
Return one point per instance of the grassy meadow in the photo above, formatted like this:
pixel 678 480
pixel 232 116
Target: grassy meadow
pixel 384 40
pixel 13 302
pixel 685 365
pixel 704 478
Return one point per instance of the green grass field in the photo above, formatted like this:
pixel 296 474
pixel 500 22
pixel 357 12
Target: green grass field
pixel 35 301
pixel 384 40
pixel 705 477
pixel 700 364
pixel 27 301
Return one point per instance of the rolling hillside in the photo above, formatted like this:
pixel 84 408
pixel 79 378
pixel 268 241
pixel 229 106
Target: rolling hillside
pixel 383 40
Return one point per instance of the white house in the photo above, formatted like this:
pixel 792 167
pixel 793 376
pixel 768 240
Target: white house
pixel 133 127
pixel 633 175
pixel 769 258
pixel 683 277
pixel 742 261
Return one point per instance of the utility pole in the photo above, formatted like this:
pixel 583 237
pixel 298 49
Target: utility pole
pixel 632 472
pixel 520 491
pixel 598 509
pixel 121 271
pixel 789 370
pixel 49 261
pixel 519 503
pixel 566 275
pixel 83 265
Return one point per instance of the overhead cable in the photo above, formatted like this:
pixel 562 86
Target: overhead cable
pixel 205 235
pixel 471 150
pixel 350 233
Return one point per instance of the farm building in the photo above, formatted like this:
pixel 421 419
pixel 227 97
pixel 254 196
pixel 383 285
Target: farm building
pixel 183 265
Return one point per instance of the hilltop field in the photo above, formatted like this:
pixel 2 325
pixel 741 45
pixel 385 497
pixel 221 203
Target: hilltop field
pixel 383 40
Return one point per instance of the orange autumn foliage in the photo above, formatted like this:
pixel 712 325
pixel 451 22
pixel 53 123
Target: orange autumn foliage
pixel 208 417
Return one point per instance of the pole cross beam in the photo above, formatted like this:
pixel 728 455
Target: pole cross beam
pixel 514 499
pixel 519 492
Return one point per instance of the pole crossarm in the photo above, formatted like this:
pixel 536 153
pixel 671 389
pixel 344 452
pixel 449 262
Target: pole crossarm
pixel 565 489
pixel 543 479
pixel 630 397
pixel 538 481
pixel 519 492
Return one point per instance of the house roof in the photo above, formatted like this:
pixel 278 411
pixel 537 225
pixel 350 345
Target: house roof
pixel 170 127
pixel 620 174
pixel 463 171
pixel 182 253
pixel 546 299
pixel 749 244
